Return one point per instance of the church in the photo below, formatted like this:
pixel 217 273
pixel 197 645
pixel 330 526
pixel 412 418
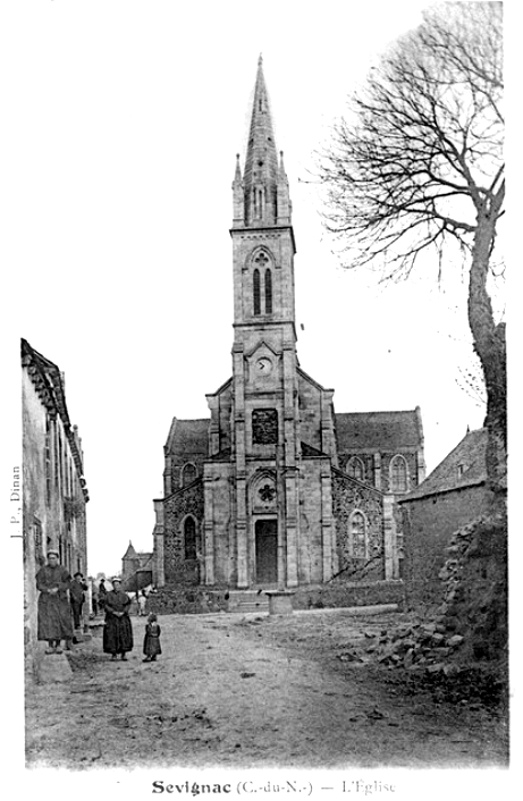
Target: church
pixel 275 489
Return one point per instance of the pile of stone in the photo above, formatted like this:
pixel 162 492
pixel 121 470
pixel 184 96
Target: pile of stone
pixel 415 646
pixel 420 646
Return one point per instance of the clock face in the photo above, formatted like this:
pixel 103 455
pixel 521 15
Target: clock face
pixel 263 366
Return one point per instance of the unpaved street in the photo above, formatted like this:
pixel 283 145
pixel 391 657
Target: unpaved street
pixel 245 691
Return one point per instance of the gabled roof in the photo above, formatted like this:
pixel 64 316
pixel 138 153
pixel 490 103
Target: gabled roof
pixel 189 437
pixel 465 466
pixel 379 431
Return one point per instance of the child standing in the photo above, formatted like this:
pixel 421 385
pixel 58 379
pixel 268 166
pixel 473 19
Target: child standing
pixel 151 643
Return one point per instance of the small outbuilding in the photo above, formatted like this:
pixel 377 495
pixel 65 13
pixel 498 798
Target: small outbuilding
pixel 452 496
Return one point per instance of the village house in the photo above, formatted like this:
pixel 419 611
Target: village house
pixel 54 487
pixel 452 496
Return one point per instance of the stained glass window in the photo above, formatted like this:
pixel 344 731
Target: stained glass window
pixel 398 474
pixel 356 469
pixel 358 533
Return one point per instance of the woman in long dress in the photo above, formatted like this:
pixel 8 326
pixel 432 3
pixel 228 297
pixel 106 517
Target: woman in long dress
pixel 54 613
pixel 118 632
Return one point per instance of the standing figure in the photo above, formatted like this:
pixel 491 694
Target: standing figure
pixel 102 594
pixel 118 632
pixel 94 598
pixel 151 643
pixel 54 613
pixel 142 600
pixel 76 591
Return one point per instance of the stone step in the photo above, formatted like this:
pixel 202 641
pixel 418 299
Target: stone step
pixel 248 601
pixel 250 608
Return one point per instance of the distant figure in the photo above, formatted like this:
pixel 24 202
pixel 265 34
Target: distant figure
pixel 76 592
pixel 151 643
pixel 118 632
pixel 94 599
pixel 102 594
pixel 54 613
pixel 142 600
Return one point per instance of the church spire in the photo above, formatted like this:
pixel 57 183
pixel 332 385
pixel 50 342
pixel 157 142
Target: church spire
pixel 260 178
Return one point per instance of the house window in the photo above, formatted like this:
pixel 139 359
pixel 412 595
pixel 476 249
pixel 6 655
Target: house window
pixel 398 474
pixel 358 535
pixel 189 474
pixel 189 537
pixel 256 292
pixel 38 541
pixel 356 468
pixel 268 292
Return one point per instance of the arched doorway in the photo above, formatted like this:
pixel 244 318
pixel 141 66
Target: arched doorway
pixel 266 543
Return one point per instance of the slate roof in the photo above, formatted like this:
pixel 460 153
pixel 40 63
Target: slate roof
pixel 189 437
pixel 379 431
pixel 465 466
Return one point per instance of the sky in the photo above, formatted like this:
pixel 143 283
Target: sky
pixel 124 122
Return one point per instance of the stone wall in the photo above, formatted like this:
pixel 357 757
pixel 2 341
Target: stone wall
pixel 475 579
pixel 176 509
pixel 428 524
pixel 341 594
pixel 349 496
pixel 188 601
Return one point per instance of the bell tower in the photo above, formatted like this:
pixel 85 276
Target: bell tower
pixel 262 234
pixel 264 437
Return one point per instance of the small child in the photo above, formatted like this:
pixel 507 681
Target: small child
pixel 151 643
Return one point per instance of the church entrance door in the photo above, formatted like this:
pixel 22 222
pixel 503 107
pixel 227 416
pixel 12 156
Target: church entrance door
pixel 266 532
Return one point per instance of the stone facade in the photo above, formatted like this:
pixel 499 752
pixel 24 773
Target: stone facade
pixel 54 487
pixel 276 489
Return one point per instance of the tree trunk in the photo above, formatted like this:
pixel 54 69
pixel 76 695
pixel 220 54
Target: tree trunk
pixel 490 345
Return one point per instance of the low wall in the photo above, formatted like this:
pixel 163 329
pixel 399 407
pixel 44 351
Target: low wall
pixel 338 594
pixel 344 594
pixel 191 601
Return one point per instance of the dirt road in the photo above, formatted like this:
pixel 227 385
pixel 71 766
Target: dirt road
pixel 244 691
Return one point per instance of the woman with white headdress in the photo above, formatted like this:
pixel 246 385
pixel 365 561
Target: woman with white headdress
pixel 54 613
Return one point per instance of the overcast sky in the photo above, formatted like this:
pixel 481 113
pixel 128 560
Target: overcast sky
pixel 124 119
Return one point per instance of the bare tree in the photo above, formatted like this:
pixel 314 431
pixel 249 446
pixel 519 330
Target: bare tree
pixel 417 165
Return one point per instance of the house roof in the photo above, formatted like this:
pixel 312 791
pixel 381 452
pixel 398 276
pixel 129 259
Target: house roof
pixel 189 437
pixel 465 466
pixel 379 431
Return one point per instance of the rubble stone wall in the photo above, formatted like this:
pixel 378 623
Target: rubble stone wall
pixel 196 600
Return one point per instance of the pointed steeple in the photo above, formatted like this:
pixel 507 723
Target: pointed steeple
pixel 261 162
pixel 284 207
pixel 130 552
